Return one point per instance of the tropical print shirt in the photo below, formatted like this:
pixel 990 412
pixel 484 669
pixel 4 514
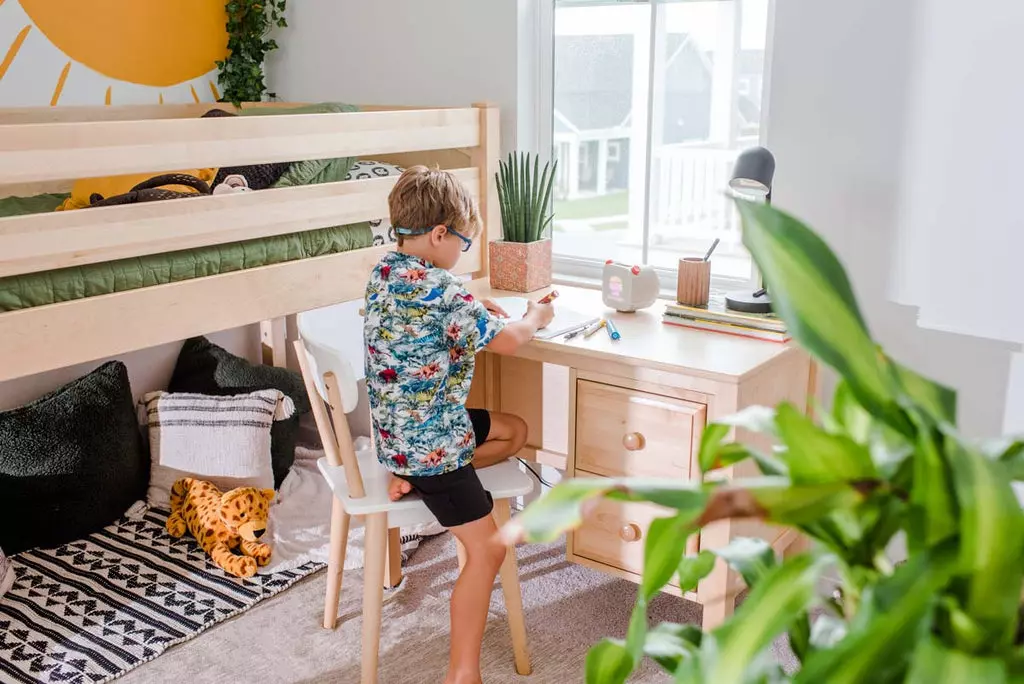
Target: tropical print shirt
pixel 422 330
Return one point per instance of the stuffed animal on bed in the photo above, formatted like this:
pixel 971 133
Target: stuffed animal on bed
pixel 223 522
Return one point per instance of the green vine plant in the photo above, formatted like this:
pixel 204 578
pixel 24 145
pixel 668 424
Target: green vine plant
pixel 249 25
pixel 886 459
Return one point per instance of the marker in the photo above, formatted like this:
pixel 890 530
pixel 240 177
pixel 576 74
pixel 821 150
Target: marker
pixel 613 332
pixel 572 333
pixel 593 329
pixel 549 297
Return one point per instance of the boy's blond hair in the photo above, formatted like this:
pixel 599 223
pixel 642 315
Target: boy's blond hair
pixel 424 198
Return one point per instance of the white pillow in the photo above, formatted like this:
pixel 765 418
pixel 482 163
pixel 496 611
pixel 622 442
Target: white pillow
pixel 223 440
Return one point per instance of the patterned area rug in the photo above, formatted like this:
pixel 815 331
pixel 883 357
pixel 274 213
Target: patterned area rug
pixel 91 610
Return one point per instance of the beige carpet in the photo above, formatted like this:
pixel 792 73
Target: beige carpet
pixel 568 608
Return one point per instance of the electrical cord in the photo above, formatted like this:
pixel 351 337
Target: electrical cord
pixel 535 474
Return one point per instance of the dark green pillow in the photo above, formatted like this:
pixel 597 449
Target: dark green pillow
pixel 71 462
pixel 205 368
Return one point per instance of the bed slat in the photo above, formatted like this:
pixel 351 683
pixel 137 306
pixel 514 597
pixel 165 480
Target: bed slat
pixel 85 149
pixel 55 240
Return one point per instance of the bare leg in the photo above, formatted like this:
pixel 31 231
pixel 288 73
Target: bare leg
pixel 506 438
pixel 472 596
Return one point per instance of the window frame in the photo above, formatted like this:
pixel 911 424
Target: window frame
pixel 587 272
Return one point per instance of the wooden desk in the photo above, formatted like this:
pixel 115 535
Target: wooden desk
pixel 637 407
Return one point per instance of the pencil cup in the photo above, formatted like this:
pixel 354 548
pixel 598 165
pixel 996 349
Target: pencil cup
pixel 693 287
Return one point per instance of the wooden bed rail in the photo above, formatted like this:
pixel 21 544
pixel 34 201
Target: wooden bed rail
pixel 42 242
pixel 85 149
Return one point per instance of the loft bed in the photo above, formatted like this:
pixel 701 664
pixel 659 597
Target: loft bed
pixel 44 150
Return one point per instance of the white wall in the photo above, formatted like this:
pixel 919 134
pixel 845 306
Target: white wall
pixel 148 370
pixel 402 52
pixel 840 107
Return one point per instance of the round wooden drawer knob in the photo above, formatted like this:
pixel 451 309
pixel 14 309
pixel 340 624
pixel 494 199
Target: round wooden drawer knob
pixel 634 441
pixel 630 533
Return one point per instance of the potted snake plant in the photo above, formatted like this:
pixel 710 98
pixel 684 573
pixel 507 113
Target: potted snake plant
pixel 521 261
pixel 886 460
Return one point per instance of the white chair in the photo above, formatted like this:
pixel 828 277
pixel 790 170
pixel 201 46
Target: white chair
pixel 360 489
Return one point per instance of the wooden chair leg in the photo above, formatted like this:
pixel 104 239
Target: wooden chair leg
pixel 373 592
pixel 460 551
pixel 394 562
pixel 335 563
pixel 513 596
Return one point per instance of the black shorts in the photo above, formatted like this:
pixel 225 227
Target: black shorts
pixel 458 497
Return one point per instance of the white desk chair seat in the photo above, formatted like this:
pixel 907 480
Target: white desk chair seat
pixel 503 481
pixel 360 486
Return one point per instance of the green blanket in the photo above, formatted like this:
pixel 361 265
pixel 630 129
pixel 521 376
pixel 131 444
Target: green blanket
pixel 50 287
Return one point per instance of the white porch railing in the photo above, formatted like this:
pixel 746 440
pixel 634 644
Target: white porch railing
pixel 688 194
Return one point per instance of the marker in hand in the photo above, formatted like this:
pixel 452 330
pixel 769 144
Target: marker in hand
pixel 549 297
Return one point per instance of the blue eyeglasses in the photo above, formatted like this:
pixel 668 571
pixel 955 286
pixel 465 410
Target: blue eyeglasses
pixel 467 243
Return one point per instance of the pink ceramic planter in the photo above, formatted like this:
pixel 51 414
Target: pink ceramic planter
pixel 520 266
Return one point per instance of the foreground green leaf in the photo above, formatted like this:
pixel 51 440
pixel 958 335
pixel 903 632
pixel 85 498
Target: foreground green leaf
pixel 777 600
pixel 815 456
pixel 692 569
pixel 812 294
pixel 882 636
pixel 938 400
pixel 992 542
pixel 752 558
pixel 665 545
pixel 608 662
pixel 669 644
pixel 933 663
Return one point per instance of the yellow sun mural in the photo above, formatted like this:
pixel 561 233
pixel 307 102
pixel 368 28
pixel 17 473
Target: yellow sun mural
pixel 109 51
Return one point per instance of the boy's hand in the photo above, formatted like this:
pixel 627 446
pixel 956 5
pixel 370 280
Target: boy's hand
pixel 540 314
pixel 494 308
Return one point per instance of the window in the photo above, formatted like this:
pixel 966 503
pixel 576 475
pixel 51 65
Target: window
pixel 652 102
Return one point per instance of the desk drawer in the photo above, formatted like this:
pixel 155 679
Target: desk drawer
pixel 614 534
pixel 623 432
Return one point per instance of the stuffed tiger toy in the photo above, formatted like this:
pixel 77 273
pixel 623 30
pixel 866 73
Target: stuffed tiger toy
pixel 223 522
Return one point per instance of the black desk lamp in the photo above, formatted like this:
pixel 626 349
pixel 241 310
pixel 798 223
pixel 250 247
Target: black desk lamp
pixel 752 179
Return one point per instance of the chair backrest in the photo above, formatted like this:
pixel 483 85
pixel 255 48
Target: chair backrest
pixel 332 387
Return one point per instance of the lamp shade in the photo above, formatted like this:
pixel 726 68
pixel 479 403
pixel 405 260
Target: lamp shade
pixel 753 173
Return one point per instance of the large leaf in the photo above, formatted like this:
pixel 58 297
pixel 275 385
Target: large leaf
pixel 783 503
pixel 714 453
pixel 816 456
pixel 812 294
pixel 887 625
pixel 669 644
pixel 991 541
pixel 934 513
pixel 937 400
pixel 935 664
pixel 752 558
pixel 558 511
pixel 710 444
pixel 777 600
pixel 608 662
pixel 692 569
pixel 665 545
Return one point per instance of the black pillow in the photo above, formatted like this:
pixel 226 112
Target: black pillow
pixel 71 462
pixel 205 368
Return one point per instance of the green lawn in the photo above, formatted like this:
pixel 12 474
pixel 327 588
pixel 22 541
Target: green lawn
pixel 613 204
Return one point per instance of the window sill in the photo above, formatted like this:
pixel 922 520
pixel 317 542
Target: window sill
pixel 586 273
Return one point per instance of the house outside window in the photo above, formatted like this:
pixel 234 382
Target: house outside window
pixel 652 102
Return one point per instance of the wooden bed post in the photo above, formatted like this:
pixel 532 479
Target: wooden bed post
pixel 485 158
pixel 274 342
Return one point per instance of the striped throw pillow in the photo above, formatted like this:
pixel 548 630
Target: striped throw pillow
pixel 222 439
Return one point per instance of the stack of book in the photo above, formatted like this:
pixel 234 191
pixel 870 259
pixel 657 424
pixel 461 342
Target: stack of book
pixel 715 317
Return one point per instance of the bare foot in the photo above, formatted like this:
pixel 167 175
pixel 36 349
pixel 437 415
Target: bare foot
pixel 397 488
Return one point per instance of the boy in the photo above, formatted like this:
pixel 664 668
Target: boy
pixel 422 331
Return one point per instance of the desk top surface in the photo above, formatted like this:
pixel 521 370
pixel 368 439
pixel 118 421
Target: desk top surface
pixel 646 341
